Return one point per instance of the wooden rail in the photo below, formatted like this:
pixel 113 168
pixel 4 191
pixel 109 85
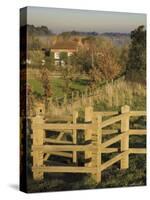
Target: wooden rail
pixel 94 128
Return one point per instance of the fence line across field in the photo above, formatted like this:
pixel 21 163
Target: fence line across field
pixel 94 128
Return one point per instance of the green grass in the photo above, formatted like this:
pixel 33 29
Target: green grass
pixel 57 86
pixel 36 86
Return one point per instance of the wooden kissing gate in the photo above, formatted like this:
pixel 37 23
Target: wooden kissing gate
pixel 94 128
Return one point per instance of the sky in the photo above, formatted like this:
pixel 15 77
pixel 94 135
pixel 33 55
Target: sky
pixel 60 20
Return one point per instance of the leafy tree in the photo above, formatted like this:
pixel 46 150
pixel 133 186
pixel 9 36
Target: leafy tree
pixel 108 64
pixel 123 58
pixel 64 57
pixel 94 75
pixel 136 64
pixel 82 60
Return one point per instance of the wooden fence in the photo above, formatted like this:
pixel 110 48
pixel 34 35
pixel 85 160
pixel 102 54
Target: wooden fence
pixel 76 99
pixel 95 127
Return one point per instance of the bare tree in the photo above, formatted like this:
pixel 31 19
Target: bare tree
pixel 46 86
pixel 68 76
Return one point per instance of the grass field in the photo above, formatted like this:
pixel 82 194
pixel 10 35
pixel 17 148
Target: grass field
pixel 57 86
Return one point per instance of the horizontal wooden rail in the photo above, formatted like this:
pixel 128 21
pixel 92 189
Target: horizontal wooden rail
pixel 66 126
pixel 137 151
pixel 137 113
pixel 54 141
pixel 49 148
pixel 109 131
pixel 111 113
pixel 109 150
pixel 137 132
pixel 66 169
pixel 130 132
pixel 64 154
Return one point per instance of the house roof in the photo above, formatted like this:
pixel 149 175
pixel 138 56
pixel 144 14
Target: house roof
pixel 64 45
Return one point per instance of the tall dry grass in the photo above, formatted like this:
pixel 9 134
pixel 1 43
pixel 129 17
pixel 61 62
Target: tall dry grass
pixel 122 92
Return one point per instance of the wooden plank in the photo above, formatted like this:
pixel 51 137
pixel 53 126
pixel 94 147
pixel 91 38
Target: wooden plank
pixel 66 126
pixel 74 135
pixel 109 150
pixel 38 135
pixel 112 120
pixel 61 131
pixel 137 132
pixel 111 161
pixel 96 155
pixel 54 141
pixel 137 113
pixel 110 113
pixel 108 132
pixel 66 169
pixel 69 155
pixel 46 156
pixel 60 135
pixel 63 154
pixel 137 150
pixel 88 133
pixel 113 140
pixel 125 139
pixel 49 148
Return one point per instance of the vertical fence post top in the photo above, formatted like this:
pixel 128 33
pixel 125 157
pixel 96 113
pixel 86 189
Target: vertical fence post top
pixel 88 113
pixel 40 109
pixel 125 109
pixel 38 119
pixel 75 113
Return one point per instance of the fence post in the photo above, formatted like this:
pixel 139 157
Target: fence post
pixel 65 99
pixel 96 155
pixel 75 116
pixel 72 97
pixel 86 92
pixel 82 98
pixel 38 136
pixel 88 133
pixel 125 139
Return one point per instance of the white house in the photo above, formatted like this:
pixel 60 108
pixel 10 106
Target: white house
pixel 63 47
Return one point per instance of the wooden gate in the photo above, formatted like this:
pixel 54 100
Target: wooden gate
pixel 95 127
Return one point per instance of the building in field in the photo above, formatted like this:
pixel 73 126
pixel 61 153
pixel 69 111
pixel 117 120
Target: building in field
pixel 61 52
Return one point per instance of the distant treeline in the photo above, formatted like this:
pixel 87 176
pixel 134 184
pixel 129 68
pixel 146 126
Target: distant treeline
pixel 44 31
pixel 115 34
pixel 37 30
pixel 79 33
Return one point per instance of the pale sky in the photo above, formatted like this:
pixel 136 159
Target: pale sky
pixel 59 20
